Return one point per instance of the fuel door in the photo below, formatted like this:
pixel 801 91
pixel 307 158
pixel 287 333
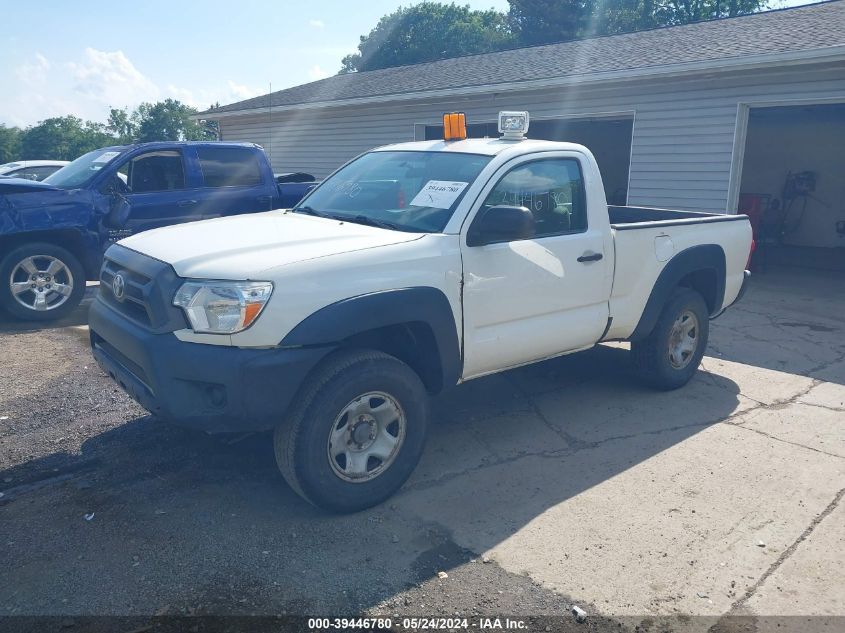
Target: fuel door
pixel 664 248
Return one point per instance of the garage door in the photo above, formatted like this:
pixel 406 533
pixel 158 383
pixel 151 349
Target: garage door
pixel 793 183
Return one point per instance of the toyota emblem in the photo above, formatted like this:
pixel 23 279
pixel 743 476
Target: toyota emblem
pixel 118 287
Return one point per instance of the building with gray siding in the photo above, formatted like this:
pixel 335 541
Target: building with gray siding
pixel 743 113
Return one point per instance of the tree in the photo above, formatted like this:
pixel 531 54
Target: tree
pixel 63 138
pixel 68 137
pixel 122 125
pixel 544 21
pixel 426 32
pixel 169 120
pixel 10 143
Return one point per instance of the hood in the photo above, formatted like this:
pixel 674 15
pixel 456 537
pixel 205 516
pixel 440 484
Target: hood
pixel 23 185
pixel 245 246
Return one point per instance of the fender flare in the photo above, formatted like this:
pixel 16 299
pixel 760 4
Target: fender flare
pixel 690 260
pixel 345 318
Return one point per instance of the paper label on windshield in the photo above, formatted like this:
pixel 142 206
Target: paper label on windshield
pixel 440 194
pixel 105 157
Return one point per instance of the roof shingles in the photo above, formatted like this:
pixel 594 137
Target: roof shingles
pixel 799 29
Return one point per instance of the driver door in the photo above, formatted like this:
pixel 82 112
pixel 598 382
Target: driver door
pixel 529 299
pixel 157 191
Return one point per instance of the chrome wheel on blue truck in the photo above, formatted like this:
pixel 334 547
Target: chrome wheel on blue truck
pixel 41 282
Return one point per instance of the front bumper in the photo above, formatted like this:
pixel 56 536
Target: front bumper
pixel 214 388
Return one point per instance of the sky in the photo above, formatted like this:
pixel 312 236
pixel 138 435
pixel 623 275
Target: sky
pixel 83 57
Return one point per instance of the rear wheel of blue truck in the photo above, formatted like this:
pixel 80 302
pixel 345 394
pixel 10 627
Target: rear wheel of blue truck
pixel 670 355
pixel 41 282
pixel 355 432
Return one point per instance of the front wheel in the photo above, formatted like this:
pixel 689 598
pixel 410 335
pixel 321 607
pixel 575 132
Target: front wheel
pixel 670 355
pixel 355 433
pixel 41 282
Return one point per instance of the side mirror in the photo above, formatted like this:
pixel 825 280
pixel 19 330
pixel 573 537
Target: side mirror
pixel 118 214
pixel 501 224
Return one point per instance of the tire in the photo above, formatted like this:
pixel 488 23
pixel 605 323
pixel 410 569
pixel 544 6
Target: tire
pixel 331 413
pixel 68 274
pixel 657 359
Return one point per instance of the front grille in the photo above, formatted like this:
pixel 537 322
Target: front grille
pixel 148 289
pixel 136 288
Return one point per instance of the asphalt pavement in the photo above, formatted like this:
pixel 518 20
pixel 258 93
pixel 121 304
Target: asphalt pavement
pixel 563 483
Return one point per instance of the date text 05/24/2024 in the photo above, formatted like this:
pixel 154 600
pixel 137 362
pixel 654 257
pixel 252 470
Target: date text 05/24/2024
pixel 417 624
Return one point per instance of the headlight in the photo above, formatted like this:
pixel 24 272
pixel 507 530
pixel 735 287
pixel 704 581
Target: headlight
pixel 222 307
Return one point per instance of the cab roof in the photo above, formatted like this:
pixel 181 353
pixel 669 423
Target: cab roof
pixel 484 146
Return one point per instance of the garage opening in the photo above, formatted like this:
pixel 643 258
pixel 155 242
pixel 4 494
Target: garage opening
pixel 793 185
pixel 608 138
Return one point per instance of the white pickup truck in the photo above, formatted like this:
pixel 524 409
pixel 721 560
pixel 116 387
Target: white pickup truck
pixel 411 269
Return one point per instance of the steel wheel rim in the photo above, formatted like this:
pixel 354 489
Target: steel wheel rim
pixel 366 437
pixel 41 283
pixel 683 339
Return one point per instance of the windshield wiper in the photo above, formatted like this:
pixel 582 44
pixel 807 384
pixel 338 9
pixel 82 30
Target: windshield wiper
pixel 309 211
pixel 357 219
pixel 382 224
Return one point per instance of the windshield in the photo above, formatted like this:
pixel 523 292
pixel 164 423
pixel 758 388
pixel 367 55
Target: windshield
pixel 83 169
pixel 408 191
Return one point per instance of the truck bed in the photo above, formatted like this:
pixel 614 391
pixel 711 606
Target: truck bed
pixel 627 218
pixel 646 239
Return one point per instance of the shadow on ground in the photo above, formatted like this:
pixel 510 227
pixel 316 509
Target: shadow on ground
pixel 149 518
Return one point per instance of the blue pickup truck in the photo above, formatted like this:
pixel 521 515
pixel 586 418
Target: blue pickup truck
pixel 53 233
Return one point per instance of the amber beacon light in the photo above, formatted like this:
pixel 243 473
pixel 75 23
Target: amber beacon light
pixel 454 126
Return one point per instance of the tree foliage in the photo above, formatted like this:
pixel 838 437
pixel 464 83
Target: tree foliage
pixel 431 30
pixel 426 32
pixel 545 21
pixel 542 21
pixel 68 137
pixel 169 120
pixel 63 138
pixel 122 125
pixel 10 143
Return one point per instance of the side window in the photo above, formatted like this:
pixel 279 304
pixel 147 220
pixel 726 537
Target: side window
pixel 23 172
pixel 552 189
pixel 40 173
pixel 119 183
pixel 154 171
pixel 229 167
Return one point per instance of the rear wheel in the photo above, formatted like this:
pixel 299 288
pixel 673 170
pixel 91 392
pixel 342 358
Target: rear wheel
pixel 41 282
pixel 355 433
pixel 670 355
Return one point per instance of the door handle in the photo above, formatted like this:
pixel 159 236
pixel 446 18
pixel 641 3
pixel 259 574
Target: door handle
pixel 265 199
pixel 185 203
pixel 590 257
